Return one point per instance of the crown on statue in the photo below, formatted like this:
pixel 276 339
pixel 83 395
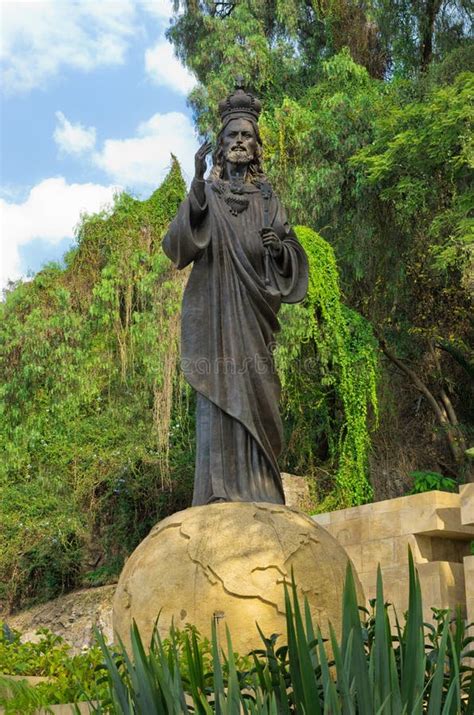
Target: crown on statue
pixel 240 103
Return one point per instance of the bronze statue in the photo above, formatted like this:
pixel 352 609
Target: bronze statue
pixel 246 262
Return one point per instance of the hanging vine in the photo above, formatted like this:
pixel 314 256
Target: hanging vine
pixel 327 357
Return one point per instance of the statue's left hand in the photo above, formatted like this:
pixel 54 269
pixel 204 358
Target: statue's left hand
pixel 271 241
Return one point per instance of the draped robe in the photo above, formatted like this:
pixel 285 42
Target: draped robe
pixel 228 322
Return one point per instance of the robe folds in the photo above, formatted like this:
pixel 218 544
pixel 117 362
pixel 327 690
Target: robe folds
pixel 228 323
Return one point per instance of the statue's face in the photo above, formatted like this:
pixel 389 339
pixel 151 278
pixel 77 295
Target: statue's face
pixel 239 142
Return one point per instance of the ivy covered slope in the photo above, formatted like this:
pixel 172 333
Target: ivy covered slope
pixel 97 423
pixel 367 129
pixel 91 402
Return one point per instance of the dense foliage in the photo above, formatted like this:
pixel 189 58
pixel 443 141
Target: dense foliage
pixel 367 127
pixel 91 402
pixel 67 678
pixel 370 667
pixel 328 363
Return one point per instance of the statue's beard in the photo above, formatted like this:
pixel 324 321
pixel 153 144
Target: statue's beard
pixel 238 155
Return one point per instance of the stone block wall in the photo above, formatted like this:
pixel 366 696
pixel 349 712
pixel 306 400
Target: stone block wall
pixel 467 519
pixel 437 526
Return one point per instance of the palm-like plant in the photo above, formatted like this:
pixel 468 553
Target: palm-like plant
pixel 368 670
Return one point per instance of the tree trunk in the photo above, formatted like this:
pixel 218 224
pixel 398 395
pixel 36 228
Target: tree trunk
pixel 427 22
pixel 461 358
pixel 444 412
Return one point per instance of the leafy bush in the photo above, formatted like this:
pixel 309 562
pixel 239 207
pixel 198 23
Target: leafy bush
pixel 327 357
pixel 367 670
pixel 70 677
pixel 95 419
pixel 371 668
pixel 428 481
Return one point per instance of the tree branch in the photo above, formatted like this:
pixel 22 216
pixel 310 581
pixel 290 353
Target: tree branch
pixel 416 382
pixel 457 355
pixel 442 411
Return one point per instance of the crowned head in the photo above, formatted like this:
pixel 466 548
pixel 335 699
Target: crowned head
pixel 239 139
pixel 240 104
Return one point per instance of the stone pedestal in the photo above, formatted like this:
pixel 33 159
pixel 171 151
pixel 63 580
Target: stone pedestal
pixel 228 562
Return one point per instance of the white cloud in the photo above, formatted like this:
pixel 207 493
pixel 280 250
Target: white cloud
pixel 40 36
pixel 143 160
pixel 162 9
pixel 164 68
pixel 73 138
pixel 51 212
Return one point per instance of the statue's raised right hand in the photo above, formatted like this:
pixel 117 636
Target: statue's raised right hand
pixel 200 160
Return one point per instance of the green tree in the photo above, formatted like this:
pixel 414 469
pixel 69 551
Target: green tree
pixel 373 151
pixel 414 33
pixel 91 399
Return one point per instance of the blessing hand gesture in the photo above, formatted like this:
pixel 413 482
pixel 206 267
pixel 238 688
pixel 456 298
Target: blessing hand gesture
pixel 200 160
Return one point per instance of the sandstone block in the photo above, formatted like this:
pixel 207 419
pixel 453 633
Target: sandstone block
pixel 437 526
pixel 434 513
pixel 377 552
pixel 352 531
pixel 296 490
pixel 442 586
pixel 469 583
pixel 466 493
pixel 384 525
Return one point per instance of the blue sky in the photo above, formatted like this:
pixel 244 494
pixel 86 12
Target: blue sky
pixel 93 101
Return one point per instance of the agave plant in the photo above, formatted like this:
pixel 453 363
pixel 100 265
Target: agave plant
pixel 368 670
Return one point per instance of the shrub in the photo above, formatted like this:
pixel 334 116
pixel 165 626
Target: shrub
pixel 70 677
pixel 411 669
pixel 428 481
pixel 416 669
